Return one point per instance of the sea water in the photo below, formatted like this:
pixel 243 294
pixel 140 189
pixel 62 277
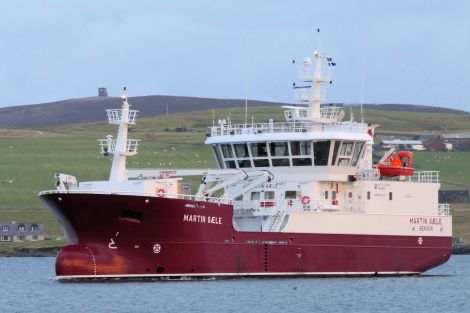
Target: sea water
pixel 29 285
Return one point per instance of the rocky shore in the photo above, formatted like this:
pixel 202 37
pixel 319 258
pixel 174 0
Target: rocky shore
pixel 31 252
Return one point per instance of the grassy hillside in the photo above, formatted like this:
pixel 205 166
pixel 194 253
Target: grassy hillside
pixel 29 158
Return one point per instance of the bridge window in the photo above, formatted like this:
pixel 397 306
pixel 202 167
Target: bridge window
pixel 241 150
pixel 302 161
pixel 230 164
pixel 357 153
pixel 335 152
pixel 227 151
pixel 217 156
pixel 261 163
pixel 244 163
pixel 301 148
pixel 258 149
pixel 280 162
pixel 321 149
pixel 278 149
pixel 344 154
pixel 347 148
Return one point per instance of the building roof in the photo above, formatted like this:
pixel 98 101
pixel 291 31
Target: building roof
pixel 402 142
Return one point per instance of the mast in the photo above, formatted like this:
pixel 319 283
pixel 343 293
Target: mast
pixel 314 76
pixel 118 168
pixel 314 103
pixel 121 147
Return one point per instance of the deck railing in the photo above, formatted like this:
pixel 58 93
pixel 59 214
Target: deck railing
pixel 284 127
pixel 142 194
pixel 444 209
pixel 425 177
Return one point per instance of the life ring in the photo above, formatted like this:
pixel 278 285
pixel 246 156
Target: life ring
pixel 289 202
pixel 305 200
pixel 334 202
pixel 161 192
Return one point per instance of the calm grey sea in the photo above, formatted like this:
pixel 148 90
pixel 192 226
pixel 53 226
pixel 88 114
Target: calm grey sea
pixel 28 285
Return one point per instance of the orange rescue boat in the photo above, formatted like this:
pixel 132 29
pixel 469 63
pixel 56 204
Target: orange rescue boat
pixel 396 165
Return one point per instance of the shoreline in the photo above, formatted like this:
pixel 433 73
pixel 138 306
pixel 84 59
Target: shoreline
pixel 457 249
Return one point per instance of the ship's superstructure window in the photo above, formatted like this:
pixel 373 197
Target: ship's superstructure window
pixel 302 149
pixel 244 163
pixel 255 196
pixel 230 164
pixel 390 196
pixel 259 152
pixel 288 153
pixel 368 195
pixel 321 149
pixel 280 162
pixel 333 195
pixel 258 149
pixel 227 151
pixel 291 194
pixel 278 149
pixel 269 195
pixel 345 152
pixel 241 150
pixel 217 156
pixel 335 152
pixel 357 153
pixel 326 195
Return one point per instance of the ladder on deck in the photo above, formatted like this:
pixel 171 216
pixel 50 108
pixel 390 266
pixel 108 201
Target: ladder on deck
pixel 274 221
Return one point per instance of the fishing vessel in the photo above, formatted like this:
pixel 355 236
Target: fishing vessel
pixel 293 198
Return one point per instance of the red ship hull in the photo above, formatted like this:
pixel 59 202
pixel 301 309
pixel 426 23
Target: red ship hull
pixel 138 236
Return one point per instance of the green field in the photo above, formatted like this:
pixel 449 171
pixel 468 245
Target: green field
pixel 30 157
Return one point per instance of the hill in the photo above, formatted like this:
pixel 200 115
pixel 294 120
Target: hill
pixel 411 108
pixel 91 109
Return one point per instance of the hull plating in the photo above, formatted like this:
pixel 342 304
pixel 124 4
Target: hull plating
pixel 136 236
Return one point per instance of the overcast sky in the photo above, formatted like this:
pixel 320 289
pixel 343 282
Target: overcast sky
pixel 415 52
